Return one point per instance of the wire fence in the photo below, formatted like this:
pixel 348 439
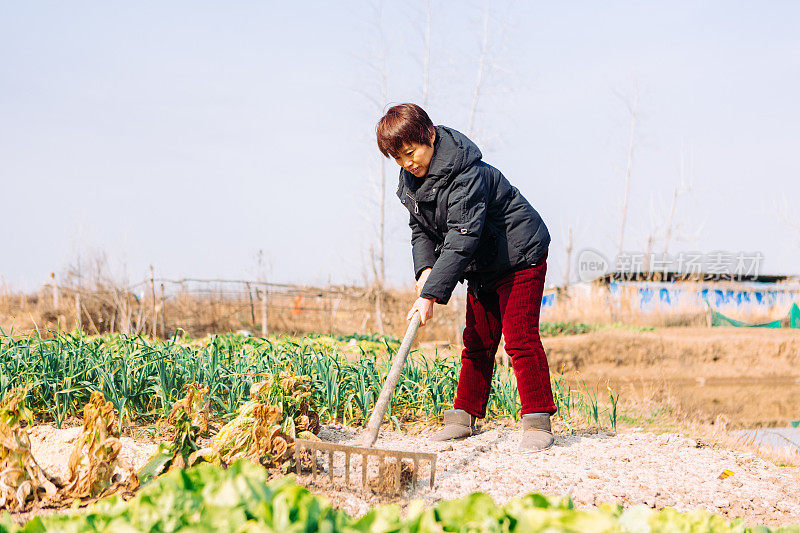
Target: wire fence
pixel 159 306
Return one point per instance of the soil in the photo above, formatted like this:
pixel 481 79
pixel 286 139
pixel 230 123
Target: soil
pixel 51 447
pixel 631 468
pixel 708 372
pixel 705 372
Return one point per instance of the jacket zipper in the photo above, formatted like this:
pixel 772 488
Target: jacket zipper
pixel 416 205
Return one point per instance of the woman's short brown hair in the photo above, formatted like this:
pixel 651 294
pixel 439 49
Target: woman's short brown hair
pixel 401 125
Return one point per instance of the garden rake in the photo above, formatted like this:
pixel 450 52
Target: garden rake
pixel 365 450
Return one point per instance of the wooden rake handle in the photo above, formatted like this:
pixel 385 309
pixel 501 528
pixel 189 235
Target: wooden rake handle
pixel 374 424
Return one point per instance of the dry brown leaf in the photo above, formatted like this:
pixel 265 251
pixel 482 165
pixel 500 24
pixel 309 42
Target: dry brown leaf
pixel 23 483
pixel 94 461
pixel 196 404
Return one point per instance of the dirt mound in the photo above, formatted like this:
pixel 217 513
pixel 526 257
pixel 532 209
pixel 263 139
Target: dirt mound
pixel 678 352
pixel 629 468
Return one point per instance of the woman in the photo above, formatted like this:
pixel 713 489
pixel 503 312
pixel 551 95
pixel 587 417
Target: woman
pixel 468 223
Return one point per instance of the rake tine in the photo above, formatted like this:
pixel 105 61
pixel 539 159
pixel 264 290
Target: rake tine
pixel 330 449
pixel 347 468
pixel 397 473
pixel 313 463
pixel 364 471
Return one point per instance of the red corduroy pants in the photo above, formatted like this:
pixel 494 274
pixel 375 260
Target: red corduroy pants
pixel 511 308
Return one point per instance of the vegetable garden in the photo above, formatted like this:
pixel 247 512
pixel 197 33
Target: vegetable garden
pixel 240 498
pixel 144 378
pixel 252 397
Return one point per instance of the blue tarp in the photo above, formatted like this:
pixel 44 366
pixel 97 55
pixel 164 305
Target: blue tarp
pixel 549 300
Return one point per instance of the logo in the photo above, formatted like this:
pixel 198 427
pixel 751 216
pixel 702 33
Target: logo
pixel 591 264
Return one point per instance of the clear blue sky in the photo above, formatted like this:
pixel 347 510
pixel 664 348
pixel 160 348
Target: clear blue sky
pixel 190 135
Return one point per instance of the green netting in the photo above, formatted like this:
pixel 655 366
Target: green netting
pixel 794 317
pixel 792 321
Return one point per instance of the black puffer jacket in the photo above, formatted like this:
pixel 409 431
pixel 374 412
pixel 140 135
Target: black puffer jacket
pixel 467 221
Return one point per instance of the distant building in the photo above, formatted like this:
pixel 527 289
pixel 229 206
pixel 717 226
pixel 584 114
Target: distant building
pixel 673 291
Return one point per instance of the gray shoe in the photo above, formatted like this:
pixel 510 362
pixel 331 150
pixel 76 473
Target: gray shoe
pixel 536 432
pixel 458 424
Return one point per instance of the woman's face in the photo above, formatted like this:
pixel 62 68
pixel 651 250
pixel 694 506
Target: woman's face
pixel 416 158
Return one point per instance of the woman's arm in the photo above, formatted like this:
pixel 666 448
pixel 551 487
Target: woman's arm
pixel 466 214
pixel 423 249
pixel 424 253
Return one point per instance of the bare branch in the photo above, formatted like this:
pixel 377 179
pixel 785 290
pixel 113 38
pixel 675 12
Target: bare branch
pixel 682 188
pixel 482 60
pixel 426 63
pixel 633 109
pixel 569 258
pixel 783 211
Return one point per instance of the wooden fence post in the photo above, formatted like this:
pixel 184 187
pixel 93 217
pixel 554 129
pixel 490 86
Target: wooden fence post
pixel 153 297
pixel 264 330
pixel 163 313
pixel 55 290
pixel 252 307
pixel 78 310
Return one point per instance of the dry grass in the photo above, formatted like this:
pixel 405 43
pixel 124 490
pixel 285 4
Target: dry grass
pixel 295 310
pixel 90 296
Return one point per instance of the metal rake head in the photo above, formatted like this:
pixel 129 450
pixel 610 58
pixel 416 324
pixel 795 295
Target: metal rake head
pixel 365 453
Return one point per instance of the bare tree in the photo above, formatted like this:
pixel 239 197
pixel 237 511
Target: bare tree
pixel 657 229
pixel 426 56
pixel 782 208
pixel 487 63
pixel 483 60
pixel 380 260
pixel 375 91
pixel 682 188
pixel 377 251
pixel 633 110
pixel 492 76
pixel 572 235
pixel 569 258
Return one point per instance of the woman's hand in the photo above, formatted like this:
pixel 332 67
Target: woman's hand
pixel 423 277
pixel 425 308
